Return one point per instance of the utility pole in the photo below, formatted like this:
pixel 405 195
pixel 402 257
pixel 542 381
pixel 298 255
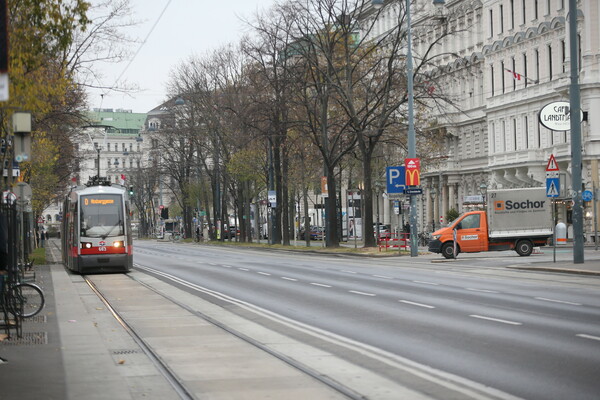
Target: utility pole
pixel 575 117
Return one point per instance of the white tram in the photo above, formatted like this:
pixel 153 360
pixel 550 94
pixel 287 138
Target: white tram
pixel 96 229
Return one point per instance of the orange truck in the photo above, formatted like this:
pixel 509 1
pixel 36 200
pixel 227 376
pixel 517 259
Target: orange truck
pixel 515 219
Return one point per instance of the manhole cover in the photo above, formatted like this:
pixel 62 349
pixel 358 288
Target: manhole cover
pixel 28 338
pixel 36 319
pixel 125 351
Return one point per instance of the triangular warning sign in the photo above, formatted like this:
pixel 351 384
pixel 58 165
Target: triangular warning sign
pixel 552 190
pixel 552 164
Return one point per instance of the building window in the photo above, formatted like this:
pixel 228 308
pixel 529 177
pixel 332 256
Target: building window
pixel 535 9
pixel 514 69
pixel 108 146
pixel 525 68
pixel 503 136
pixel 524 12
pixel 493 138
pixel 491 23
pixel 492 80
pixel 501 18
pixel 512 14
pixel 515 133
pixel 502 75
pixel 550 62
pixel 563 55
pixel 526 131
pixel 536 55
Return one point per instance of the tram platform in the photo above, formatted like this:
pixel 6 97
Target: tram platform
pixel 77 350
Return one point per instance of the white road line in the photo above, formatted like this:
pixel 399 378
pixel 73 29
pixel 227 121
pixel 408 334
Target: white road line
pixel 427 283
pixel 213 264
pixel 558 301
pixel 289 279
pixel 225 266
pixel 583 335
pixel 264 273
pixel 416 304
pixel 482 290
pixel 503 321
pixel 243 269
pixel 319 284
pixel 382 276
pixel 350 272
pixel 361 293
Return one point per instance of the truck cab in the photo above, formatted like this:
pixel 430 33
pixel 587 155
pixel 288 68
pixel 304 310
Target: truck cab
pixel 471 235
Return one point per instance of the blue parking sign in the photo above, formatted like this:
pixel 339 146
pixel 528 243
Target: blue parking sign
pixel 396 179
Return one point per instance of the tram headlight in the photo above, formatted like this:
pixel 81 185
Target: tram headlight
pixel 118 244
pixel 86 245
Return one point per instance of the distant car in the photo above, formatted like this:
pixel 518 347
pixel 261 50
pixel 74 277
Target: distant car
pixel 315 232
pixel 385 231
pixel 231 232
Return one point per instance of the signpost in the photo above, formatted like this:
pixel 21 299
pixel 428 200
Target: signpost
pixel 395 181
pixel 552 191
pixel 552 178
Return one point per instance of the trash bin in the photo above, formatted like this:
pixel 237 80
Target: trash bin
pixel 561 233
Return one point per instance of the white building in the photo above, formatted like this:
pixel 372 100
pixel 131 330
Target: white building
pixel 509 60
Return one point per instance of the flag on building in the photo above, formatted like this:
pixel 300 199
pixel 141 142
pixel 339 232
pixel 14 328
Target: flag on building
pixel 515 75
pixel 123 179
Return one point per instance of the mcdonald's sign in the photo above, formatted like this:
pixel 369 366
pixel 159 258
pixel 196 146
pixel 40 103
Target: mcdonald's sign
pixel 413 171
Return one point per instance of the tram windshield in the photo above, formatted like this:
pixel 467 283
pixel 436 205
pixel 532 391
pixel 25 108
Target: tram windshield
pixel 102 215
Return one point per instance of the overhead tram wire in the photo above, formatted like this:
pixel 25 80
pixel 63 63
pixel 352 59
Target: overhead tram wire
pixel 138 50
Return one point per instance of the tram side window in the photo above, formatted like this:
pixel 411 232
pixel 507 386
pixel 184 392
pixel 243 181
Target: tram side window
pixel 101 215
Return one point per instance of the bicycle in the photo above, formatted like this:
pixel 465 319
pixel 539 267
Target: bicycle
pixel 23 299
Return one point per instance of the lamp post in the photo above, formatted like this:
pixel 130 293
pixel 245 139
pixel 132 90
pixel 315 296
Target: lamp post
pixel 433 193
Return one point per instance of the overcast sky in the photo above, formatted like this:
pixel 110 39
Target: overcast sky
pixel 187 27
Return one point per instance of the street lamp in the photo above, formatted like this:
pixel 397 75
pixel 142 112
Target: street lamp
pixel 412 151
pixel 483 191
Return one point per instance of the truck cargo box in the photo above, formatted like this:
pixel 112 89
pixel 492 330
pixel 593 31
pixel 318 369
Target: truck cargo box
pixel 519 212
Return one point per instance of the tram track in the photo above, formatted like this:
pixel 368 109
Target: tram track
pixel 173 378
pixel 161 366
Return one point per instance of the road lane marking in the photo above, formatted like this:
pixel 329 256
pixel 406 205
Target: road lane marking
pixel 243 269
pixel 558 301
pixel 361 293
pixel 225 266
pixel 264 273
pixel 412 303
pixel 503 321
pixel 382 276
pixel 427 283
pixel 583 335
pixel 289 279
pixel 350 272
pixel 482 290
pixel 319 284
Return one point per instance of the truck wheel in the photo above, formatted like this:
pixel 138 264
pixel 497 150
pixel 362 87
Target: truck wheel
pixel 524 247
pixel 448 250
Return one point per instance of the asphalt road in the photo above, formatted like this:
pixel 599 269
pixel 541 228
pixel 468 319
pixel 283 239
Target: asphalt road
pixel 531 335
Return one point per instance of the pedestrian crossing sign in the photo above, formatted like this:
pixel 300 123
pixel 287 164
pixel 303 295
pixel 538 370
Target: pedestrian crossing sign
pixel 552 187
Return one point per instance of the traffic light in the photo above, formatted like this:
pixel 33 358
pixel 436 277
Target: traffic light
pixel 131 190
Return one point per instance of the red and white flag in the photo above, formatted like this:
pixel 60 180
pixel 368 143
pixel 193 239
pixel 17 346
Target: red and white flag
pixel 515 75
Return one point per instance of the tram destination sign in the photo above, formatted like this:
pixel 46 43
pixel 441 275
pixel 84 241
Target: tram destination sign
pixel 556 116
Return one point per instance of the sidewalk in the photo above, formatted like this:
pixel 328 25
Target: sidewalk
pixel 63 353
